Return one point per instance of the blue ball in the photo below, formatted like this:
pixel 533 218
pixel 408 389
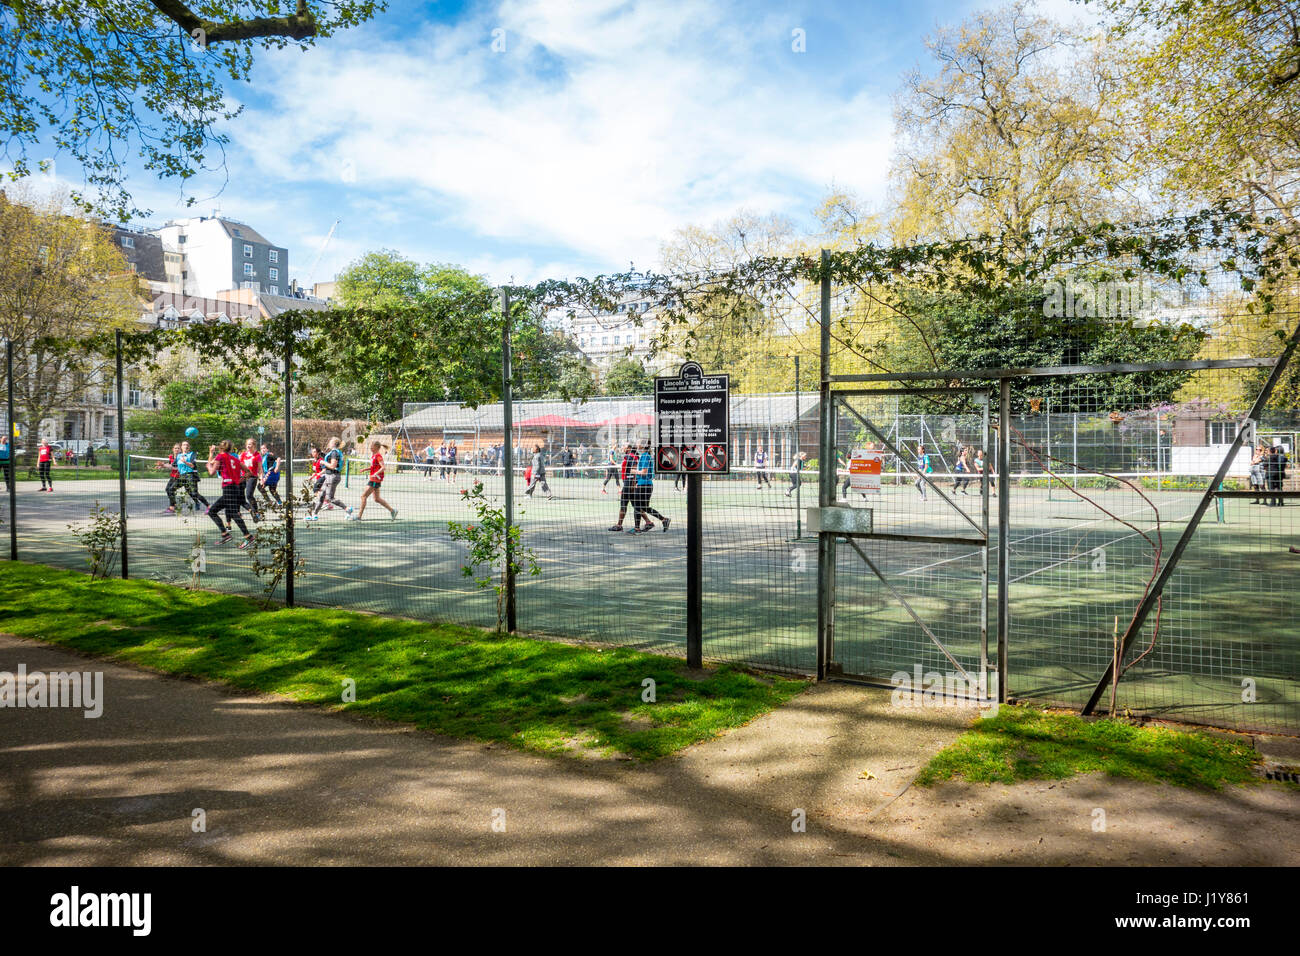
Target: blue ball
pixel 191 432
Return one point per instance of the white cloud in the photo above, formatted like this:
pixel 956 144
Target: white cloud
pixel 600 129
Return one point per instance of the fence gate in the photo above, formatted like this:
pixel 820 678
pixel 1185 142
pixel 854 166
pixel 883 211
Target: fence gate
pixel 905 570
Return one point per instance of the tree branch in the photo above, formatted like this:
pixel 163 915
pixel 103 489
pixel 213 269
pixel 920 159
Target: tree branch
pixel 299 26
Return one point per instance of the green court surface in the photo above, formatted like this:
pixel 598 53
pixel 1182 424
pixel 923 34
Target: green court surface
pixel 1227 624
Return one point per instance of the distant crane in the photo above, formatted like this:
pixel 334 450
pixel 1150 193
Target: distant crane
pixel 311 272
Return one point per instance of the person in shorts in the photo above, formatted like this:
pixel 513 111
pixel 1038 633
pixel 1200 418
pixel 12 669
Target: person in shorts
pixel 374 481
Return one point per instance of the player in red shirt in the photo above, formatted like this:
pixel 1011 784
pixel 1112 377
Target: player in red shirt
pixel 45 461
pixel 232 494
pixel 374 483
pixel 173 479
pixel 251 461
pixel 627 476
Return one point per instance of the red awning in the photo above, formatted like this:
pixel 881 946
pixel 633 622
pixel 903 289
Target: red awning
pixel 552 421
pixel 635 418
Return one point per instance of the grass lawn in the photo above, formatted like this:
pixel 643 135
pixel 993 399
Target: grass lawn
pixel 531 694
pixel 1025 743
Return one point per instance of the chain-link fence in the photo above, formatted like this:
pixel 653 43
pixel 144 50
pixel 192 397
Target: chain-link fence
pixel 1020 544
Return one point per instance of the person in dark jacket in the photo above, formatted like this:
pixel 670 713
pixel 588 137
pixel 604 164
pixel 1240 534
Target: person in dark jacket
pixel 1274 474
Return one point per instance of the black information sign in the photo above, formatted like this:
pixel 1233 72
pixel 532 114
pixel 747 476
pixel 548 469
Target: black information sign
pixel 692 417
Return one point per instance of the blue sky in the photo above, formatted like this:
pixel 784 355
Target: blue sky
pixel 599 128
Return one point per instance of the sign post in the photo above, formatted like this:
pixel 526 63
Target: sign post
pixel 691 437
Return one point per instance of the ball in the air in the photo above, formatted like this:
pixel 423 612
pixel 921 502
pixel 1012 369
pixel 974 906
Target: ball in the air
pixel 191 432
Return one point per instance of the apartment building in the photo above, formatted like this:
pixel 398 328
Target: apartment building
pixel 216 254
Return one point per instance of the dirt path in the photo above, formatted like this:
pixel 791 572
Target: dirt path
pixel 279 783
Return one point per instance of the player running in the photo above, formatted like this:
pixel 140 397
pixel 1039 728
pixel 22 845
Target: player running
pixel 252 464
pixel 331 467
pixel 645 486
pixel 374 483
pixel 232 492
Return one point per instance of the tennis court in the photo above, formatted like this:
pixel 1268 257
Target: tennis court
pixel 1227 617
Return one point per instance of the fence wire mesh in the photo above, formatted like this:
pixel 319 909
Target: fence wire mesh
pixel 1104 471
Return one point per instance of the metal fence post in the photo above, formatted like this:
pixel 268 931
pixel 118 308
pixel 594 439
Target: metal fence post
pixel 1004 531
pixel 287 458
pixel 11 474
pixel 794 464
pixel 825 486
pixel 508 458
pixel 121 449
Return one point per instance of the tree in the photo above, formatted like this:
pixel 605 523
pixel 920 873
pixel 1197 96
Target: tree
pixel 1013 331
pixel 627 376
pixel 1009 134
pixel 61 279
pixel 221 404
pixel 733 331
pixel 100 79
pixel 1214 90
pixel 412 333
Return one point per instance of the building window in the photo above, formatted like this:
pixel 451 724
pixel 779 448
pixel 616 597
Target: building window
pixel 180 238
pixel 248 251
pixel 1221 433
pixel 109 424
pixel 235 233
pixel 274 275
pixel 248 269
pixel 273 289
pixel 275 255
pixel 128 242
pixel 133 393
pixel 110 398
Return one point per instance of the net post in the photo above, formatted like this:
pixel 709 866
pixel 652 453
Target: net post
pixel 288 461
pixel 121 450
pixel 508 459
pixel 10 473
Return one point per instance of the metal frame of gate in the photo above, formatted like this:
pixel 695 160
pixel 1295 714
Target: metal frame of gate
pixel 849 524
pixel 826 541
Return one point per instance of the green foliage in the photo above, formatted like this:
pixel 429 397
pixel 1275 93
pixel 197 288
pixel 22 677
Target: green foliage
pixel 221 405
pixel 100 539
pixel 628 376
pixel 1023 743
pixel 488 538
pixel 952 332
pixel 101 79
